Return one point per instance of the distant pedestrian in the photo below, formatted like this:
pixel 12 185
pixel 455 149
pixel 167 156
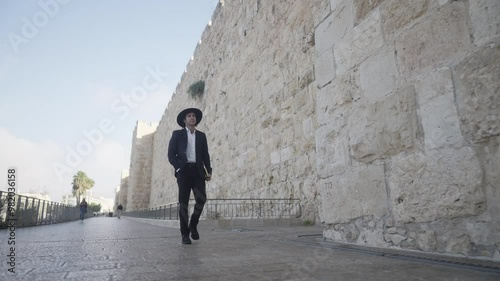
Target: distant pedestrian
pixel 120 209
pixel 83 209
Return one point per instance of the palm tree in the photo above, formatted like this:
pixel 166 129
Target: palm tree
pixel 81 183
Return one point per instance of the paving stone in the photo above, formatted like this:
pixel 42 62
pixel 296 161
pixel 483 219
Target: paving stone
pixel 117 250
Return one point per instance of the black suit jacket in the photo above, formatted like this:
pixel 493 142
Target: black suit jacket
pixel 177 152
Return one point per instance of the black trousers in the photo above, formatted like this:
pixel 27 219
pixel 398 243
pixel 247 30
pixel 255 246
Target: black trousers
pixel 188 180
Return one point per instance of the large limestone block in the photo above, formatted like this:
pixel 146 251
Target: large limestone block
pixel 364 7
pixel 363 41
pixel 396 14
pixel 302 167
pixel 335 3
pixel 308 128
pixel 333 101
pixel 478 94
pixel 383 128
pixel 378 75
pixel 439 184
pixel 437 110
pixel 491 163
pixel 322 36
pixel 324 69
pixel 299 101
pixel 485 18
pixel 335 26
pixel 361 191
pixel 435 41
pixel 332 151
pixel 320 10
pixel 427 240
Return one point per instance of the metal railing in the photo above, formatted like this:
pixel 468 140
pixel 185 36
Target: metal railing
pixel 166 212
pixel 228 209
pixel 29 211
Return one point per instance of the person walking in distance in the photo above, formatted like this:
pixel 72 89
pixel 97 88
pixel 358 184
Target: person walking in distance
pixel 83 209
pixel 188 154
pixel 120 209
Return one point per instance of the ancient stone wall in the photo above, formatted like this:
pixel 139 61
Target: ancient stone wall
pixel 122 193
pixel 141 161
pixel 408 124
pixel 256 59
pixel 382 116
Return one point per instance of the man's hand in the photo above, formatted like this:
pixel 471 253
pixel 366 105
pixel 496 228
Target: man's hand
pixel 207 175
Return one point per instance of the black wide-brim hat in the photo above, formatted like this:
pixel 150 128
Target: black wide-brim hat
pixel 182 115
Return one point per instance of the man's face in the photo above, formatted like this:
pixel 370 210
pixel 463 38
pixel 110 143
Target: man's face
pixel 190 119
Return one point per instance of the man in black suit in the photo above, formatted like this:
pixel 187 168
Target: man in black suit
pixel 188 153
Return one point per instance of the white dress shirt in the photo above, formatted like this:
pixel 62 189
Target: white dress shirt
pixel 191 150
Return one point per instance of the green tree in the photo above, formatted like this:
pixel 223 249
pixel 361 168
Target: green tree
pixel 95 207
pixel 81 183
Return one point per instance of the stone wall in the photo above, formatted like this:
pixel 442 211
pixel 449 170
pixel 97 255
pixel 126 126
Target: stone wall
pixel 256 58
pixel 408 124
pixel 122 191
pixel 382 116
pixel 141 161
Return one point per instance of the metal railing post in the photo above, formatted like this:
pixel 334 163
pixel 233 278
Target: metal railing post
pixel 18 205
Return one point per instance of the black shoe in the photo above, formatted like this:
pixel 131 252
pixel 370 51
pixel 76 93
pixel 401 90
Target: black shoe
pixel 194 234
pixel 185 239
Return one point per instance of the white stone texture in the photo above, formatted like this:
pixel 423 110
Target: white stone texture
pixel 363 8
pixel 437 110
pixel 440 184
pixel 459 245
pixel 427 240
pixel 324 68
pixel 308 128
pixel 395 239
pixel 478 93
pixel 123 193
pixel 331 102
pixel 441 38
pixel 335 3
pixel 287 154
pixel 139 183
pixel 369 228
pixel 392 230
pixel 363 184
pixel 397 14
pixel 349 232
pixel 378 75
pixel 332 152
pixel 363 41
pixel 490 156
pixel 275 157
pixel 373 238
pixel 334 27
pixel 485 18
pixel 384 128
pixel 320 10
pixel 323 38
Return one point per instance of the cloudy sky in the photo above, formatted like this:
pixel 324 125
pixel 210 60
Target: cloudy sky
pixel 76 75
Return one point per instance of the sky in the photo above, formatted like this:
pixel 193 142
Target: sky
pixel 75 76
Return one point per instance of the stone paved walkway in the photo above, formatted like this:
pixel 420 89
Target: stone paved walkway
pixel 114 249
